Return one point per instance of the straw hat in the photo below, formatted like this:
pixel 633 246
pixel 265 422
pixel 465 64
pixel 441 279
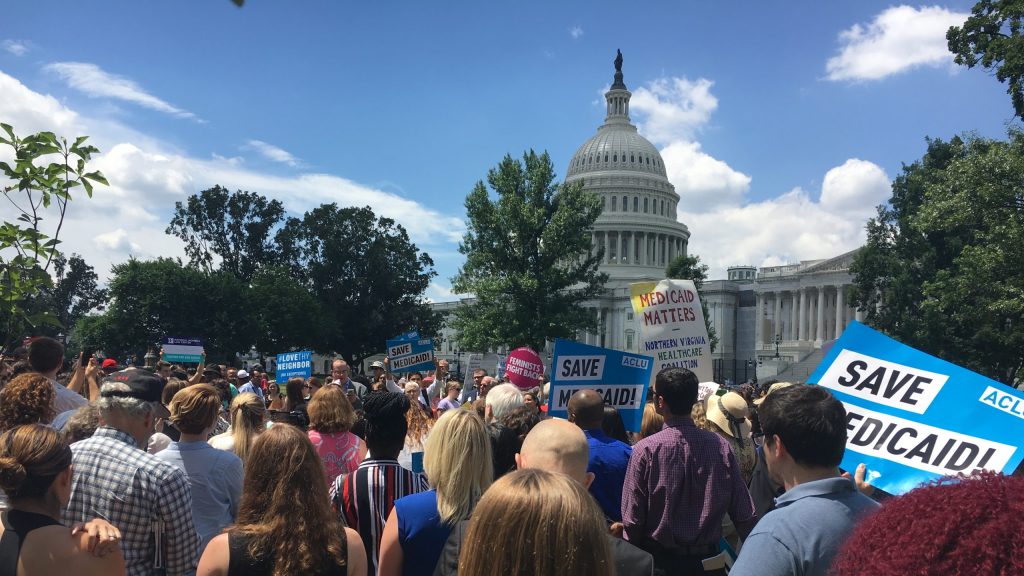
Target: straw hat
pixel 729 412
pixel 772 388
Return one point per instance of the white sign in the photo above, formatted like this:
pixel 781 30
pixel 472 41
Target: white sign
pixel 672 328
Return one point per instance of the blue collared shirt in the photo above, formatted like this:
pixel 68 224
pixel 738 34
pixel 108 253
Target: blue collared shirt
pixel 609 459
pixel 216 479
pixel 802 535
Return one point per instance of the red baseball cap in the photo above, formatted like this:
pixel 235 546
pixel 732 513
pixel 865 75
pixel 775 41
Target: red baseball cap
pixel 109 363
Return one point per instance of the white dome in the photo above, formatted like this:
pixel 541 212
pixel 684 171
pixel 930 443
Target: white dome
pixel 617 147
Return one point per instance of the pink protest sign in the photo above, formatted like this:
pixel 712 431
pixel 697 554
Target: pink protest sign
pixel 524 368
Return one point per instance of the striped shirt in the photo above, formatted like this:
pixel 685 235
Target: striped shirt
pixel 363 499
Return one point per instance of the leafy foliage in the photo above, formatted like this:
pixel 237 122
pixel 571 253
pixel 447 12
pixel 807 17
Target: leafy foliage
pixel 367 277
pixel 942 269
pixel 991 37
pixel 37 191
pixel 685 267
pixel 236 226
pixel 528 258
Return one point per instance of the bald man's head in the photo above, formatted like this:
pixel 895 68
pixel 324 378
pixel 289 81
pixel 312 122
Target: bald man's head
pixel 586 409
pixel 557 446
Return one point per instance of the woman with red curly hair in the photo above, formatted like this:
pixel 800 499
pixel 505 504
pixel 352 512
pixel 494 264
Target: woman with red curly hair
pixel 27 399
pixel 950 527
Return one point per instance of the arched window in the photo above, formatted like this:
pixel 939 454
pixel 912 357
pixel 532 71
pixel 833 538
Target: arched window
pixel 662 207
pixel 645 205
pixel 615 157
pixel 625 204
pixel 605 156
pixel 636 203
pixel 604 202
pixel 614 200
pixel 631 158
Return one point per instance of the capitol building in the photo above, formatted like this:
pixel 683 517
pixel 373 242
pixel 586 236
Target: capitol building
pixel 769 321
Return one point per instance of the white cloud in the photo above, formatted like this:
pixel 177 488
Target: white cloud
pixel 437 292
pixel 673 108
pixel 576 32
pixel 271 152
pixel 148 175
pixel 95 82
pixel 16 47
pixel 898 39
pixel 671 111
pixel 793 226
pixel 702 181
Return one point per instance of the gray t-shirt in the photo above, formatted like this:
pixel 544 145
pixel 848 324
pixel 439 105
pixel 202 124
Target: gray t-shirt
pixel 802 535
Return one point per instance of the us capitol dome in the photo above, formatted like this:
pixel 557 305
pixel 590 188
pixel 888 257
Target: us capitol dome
pixel 638 227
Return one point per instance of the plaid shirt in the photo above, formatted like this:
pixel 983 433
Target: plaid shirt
pixel 680 483
pixel 113 479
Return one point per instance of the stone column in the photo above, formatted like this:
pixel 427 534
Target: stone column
pixel 607 249
pixel 794 309
pixel 802 327
pixel 858 315
pixel 840 311
pixel 759 321
pixel 777 320
pixel 819 334
pixel 632 248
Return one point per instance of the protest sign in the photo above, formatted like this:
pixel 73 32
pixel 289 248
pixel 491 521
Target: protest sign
pixel 410 353
pixel 293 365
pixel 177 349
pixel 705 389
pixel 474 363
pixel 620 378
pixel 912 418
pixel 672 328
pixel 524 368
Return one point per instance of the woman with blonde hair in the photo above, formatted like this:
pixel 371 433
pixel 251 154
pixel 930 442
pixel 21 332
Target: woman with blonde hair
pixel 417 431
pixel 35 472
pixel 547 524
pixel 458 465
pixel 284 526
pixel 248 415
pixel 330 423
pixel 652 422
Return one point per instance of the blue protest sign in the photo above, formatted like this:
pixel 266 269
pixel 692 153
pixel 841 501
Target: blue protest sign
pixel 912 418
pixel 620 377
pixel 293 365
pixel 178 349
pixel 410 353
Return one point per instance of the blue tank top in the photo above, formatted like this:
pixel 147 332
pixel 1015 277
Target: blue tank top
pixel 420 532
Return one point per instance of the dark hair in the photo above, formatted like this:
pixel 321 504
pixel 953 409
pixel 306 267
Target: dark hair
pixel 613 425
pixel 386 427
pixel 810 422
pixel 678 386
pixel 293 390
pixel 223 388
pixel 27 399
pixel 178 373
pixel 45 354
pixel 161 364
pixel 173 386
pixel 521 420
pixel 31 457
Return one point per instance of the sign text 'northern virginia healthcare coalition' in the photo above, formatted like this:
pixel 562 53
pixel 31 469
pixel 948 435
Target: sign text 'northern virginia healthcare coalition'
pixel 912 417
pixel 620 378
pixel 672 328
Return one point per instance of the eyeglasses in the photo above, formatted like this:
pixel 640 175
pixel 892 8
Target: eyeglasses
pixel 306 386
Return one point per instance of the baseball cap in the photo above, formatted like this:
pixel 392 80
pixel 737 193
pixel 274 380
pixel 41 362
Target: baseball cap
pixel 215 370
pixel 109 363
pixel 142 385
pixel 243 374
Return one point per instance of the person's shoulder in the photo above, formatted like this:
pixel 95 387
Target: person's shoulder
pixel 629 559
pixel 53 549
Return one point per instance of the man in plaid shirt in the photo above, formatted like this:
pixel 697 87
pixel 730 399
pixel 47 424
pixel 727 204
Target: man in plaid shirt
pixel 149 500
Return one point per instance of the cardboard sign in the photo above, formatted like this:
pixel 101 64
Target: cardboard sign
pixel 705 389
pixel 524 368
pixel 620 377
pixel 672 328
pixel 293 365
pixel 410 353
pixel 912 418
pixel 188 350
pixel 474 363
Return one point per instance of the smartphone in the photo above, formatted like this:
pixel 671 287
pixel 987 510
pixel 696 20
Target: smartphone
pixel 86 354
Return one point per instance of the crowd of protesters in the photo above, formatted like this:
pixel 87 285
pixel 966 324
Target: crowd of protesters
pixel 223 471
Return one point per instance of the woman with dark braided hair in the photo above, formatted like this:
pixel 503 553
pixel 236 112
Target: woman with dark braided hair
pixel 364 498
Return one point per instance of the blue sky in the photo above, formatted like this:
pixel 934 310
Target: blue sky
pixel 781 123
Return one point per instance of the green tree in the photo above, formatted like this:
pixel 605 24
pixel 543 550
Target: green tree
pixel 528 258
pixel 991 37
pixel 364 272
pixel 685 267
pixel 39 193
pixel 942 269
pixel 237 227
pixel 156 298
pixel 287 314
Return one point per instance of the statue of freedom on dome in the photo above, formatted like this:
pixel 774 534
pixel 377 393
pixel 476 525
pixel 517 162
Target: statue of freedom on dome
pixel 618 60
